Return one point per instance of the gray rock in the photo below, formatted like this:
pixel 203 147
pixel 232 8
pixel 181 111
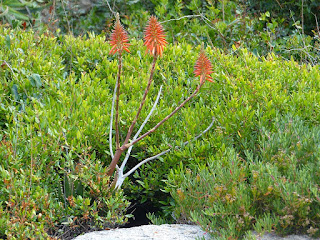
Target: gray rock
pixel 149 232
pixel 271 236
pixel 168 232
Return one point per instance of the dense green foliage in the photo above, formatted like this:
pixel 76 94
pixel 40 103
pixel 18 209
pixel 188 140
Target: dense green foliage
pixel 288 28
pixel 255 169
pixel 55 96
pixel 264 173
pixel 305 11
pixel 54 112
pixel 13 11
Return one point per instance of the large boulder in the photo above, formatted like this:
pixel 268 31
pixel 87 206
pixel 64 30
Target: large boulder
pixel 149 232
pixel 167 232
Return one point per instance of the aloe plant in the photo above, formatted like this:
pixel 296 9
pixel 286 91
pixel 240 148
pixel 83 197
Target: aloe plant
pixel 155 41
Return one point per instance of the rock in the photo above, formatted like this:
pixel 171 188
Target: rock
pixel 149 232
pixel 168 232
pixel 271 236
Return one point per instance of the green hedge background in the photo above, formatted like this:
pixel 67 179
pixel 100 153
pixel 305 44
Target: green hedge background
pixel 257 167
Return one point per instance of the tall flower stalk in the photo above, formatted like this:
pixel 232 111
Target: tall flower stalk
pixel 203 68
pixel 155 42
pixel 119 42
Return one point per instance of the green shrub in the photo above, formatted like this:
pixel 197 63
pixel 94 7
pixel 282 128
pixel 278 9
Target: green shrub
pixel 247 94
pixel 15 11
pixel 55 97
pixel 48 154
pixel 262 27
pixel 305 11
pixel 276 191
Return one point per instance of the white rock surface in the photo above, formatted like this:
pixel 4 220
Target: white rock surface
pixel 149 232
pixel 166 232
pixel 269 236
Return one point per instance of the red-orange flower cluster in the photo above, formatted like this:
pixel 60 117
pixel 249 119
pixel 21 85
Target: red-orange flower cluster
pixel 119 39
pixel 203 67
pixel 155 38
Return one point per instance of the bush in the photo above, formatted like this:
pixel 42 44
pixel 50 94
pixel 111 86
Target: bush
pixel 276 191
pixel 262 176
pixel 21 13
pixel 306 12
pixel 55 96
pixel 51 156
pixel 288 28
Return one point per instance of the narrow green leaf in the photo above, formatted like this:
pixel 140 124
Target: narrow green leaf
pixel 8 42
pixel 15 93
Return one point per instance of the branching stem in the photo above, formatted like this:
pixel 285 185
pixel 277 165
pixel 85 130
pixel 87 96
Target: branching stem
pixel 122 177
pixel 140 129
pixel 130 130
pixel 117 102
pixel 125 146
pixel 111 119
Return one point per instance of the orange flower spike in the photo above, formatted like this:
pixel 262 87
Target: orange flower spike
pixel 119 38
pixel 203 67
pixel 155 38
